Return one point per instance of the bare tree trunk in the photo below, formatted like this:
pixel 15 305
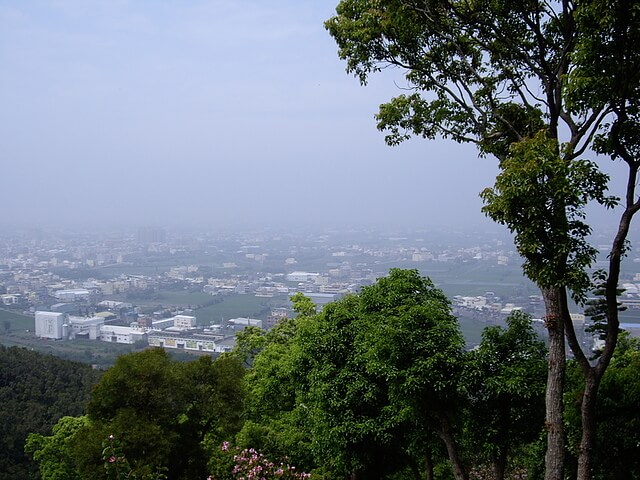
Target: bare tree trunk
pixel 555 299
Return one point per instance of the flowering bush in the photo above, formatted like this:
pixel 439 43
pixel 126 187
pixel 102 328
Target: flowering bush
pixel 249 464
pixel 115 463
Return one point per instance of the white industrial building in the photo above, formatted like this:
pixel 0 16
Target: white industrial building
pixel 321 299
pixel 118 334
pixel 162 323
pixel 50 325
pixel 246 322
pixel 88 327
pixel 73 295
pixel 298 276
pixel 196 342
pixel 184 321
pixel 178 322
pixel 59 326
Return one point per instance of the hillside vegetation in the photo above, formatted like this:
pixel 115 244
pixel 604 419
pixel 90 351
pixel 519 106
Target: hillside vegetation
pixel 36 390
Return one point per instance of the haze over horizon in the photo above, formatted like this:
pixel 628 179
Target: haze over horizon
pixel 208 112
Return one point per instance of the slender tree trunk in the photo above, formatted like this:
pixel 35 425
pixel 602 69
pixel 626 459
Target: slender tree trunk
pixel 428 466
pixel 588 414
pixel 459 470
pixel 499 465
pixel 415 469
pixel 593 376
pixel 555 300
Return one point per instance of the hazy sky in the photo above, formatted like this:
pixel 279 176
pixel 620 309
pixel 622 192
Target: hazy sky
pixel 208 112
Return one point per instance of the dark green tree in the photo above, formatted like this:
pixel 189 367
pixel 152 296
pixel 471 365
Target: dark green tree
pixel 249 342
pixel 378 385
pixel 536 84
pixel 344 402
pixel 607 77
pixel 414 343
pixel 36 390
pixel 366 388
pixel 384 369
pixel 505 382
pixel 161 411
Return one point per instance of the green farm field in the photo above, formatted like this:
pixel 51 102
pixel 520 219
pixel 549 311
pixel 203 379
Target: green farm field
pixel 209 308
pixel 13 322
pixel 233 306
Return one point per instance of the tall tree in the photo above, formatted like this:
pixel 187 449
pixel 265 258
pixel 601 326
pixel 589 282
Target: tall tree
pixel 607 76
pixel 275 417
pixel 368 386
pixel 383 373
pixel 505 381
pixel 414 343
pixel 536 84
pixel 378 385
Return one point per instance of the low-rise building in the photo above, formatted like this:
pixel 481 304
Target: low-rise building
pixel 177 322
pixel 184 321
pixel 192 341
pixel 88 327
pixel 73 295
pixel 246 322
pixel 162 323
pixel 321 299
pixel 118 334
pixel 276 316
pixel 10 299
pixel 302 276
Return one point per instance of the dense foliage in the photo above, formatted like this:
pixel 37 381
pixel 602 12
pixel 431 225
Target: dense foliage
pixel 378 384
pixel 36 390
pixel 161 412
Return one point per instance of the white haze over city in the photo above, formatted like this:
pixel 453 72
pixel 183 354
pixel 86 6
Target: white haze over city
pixel 209 113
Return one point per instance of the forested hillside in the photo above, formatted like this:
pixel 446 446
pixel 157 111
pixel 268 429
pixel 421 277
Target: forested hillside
pixel 36 390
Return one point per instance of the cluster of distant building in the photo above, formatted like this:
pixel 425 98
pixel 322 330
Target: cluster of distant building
pixel 489 306
pixel 33 278
pixel 179 331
